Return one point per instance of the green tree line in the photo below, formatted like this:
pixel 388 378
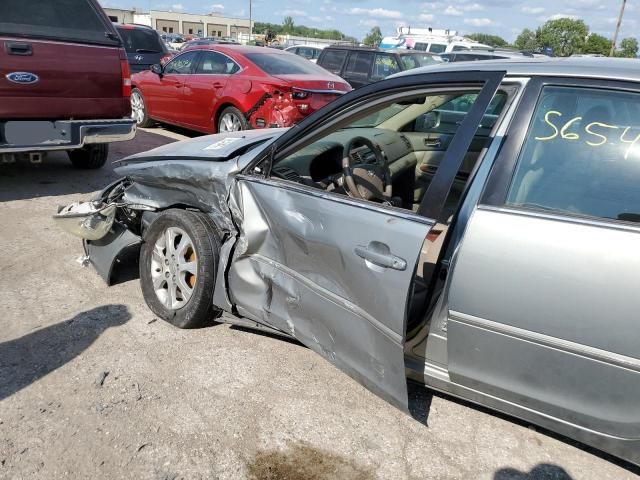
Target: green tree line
pixel 289 27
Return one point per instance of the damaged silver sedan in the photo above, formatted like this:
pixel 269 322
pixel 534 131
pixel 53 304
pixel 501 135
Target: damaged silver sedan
pixel 473 228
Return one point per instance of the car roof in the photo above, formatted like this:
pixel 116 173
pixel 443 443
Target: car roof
pixel 241 49
pixel 486 53
pixel 602 68
pixel 407 51
pixel 132 26
pixel 307 45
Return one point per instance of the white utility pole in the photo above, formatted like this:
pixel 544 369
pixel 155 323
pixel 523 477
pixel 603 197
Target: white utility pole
pixel 250 23
pixel 615 35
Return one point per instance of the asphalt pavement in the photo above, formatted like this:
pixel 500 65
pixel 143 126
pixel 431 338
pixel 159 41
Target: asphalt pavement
pixel 92 385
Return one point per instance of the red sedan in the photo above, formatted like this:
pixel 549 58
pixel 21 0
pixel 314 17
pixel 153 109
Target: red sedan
pixel 221 88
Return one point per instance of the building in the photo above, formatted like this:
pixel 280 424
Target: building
pixel 207 25
pixel 120 15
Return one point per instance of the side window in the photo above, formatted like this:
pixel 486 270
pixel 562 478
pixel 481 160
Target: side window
pixel 437 48
pixel 305 52
pixel 409 62
pixel 421 46
pixel 181 64
pixel 581 155
pixel 213 63
pixel 384 65
pixel 359 64
pixel 382 137
pixel 334 59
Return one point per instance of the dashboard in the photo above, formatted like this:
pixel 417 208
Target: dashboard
pixel 323 158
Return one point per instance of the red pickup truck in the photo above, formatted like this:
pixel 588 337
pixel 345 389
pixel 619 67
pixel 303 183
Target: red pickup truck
pixel 64 81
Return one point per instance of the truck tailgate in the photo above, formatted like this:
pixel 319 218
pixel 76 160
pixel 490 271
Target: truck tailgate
pixel 72 80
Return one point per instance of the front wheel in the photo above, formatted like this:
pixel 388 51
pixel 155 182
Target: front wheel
pixel 232 120
pixel 178 262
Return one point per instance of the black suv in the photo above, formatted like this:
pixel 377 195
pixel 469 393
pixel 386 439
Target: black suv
pixel 143 45
pixel 363 65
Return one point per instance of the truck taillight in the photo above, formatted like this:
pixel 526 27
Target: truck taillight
pixel 125 73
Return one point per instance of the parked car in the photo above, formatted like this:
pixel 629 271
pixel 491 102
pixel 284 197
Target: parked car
pixel 208 41
pixel 216 88
pixel 363 65
pixel 482 240
pixel 143 45
pixel 473 55
pixel 64 81
pixel 174 40
pixel 310 52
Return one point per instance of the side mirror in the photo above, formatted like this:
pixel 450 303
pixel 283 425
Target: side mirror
pixel 427 122
pixel 157 69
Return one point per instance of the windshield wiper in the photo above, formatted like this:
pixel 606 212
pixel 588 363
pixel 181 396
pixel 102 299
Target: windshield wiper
pixel 146 50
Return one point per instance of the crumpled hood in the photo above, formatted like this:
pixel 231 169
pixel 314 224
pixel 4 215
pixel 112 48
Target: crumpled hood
pixel 216 148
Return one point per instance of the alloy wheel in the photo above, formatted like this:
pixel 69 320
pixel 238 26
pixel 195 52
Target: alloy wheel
pixel 173 268
pixel 229 122
pixel 137 107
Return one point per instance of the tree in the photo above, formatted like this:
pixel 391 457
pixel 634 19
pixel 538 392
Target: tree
pixel 374 37
pixel 564 35
pixel 287 24
pixel 597 44
pixel 628 48
pixel 527 40
pixel 491 40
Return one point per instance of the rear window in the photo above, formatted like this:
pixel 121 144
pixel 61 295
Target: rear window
pixel 74 20
pixel 279 64
pixel 582 155
pixel 333 60
pixel 141 40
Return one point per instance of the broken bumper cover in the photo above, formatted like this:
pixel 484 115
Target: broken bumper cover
pixel 36 135
pixel 107 252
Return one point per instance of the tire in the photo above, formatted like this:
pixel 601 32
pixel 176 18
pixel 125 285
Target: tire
pixel 89 157
pixel 139 110
pixel 232 120
pixel 193 307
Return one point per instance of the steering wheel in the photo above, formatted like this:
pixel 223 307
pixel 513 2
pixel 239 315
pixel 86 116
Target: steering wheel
pixel 366 181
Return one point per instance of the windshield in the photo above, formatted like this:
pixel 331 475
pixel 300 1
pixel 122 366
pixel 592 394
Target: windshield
pixel 140 40
pixel 379 117
pixel 279 64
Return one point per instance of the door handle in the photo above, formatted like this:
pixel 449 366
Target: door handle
pixel 218 85
pixel 434 143
pixel 378 253
pixel 15 48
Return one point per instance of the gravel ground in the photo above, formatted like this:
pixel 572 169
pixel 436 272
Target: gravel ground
pixel 92 385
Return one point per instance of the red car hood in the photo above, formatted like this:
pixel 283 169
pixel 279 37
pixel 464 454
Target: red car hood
pixel 313 83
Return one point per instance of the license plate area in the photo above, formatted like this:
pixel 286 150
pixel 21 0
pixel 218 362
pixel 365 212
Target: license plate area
pixel 37 133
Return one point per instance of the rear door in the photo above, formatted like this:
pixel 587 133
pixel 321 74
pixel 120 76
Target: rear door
pixel 334 272
pixel 544 295
pixel 204 88
pixel 59 60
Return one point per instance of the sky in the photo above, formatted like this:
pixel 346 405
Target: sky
pixel 506 18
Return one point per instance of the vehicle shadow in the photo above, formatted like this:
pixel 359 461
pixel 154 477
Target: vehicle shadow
pixel 420 399
pixel 55 176
pixel 543 471
pixel 27 359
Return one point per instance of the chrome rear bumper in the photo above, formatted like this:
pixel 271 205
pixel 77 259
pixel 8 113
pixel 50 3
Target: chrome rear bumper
pixel 37 135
